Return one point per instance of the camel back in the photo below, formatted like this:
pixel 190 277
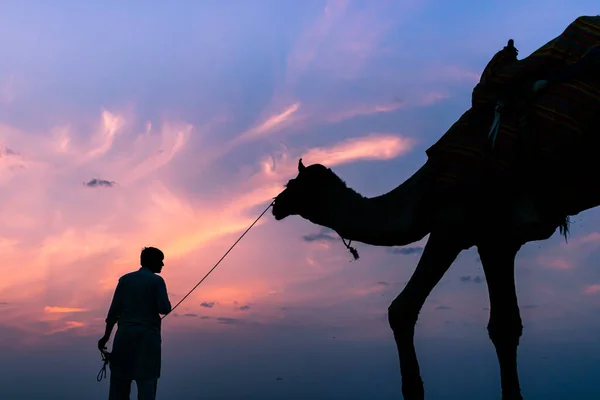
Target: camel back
pixel 561 123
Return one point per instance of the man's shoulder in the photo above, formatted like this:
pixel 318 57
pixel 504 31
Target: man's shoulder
pixel 124 277
pixel 143 275
pixel 147 274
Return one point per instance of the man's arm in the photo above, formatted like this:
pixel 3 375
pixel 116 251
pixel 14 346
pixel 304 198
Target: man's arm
pixel 163 304
pixel 114 312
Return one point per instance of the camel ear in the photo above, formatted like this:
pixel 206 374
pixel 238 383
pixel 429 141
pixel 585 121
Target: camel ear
pixel 300 165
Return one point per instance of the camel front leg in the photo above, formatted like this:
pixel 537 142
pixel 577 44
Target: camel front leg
pixel 438 255
pixel 505 325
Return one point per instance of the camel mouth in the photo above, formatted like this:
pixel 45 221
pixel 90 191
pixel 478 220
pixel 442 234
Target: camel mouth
pixel 277 213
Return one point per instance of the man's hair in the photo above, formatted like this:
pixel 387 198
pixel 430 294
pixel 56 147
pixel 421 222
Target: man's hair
pixel 150 254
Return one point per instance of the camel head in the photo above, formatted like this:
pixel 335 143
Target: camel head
pixel 304 195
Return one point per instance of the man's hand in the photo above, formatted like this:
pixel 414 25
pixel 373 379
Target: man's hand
pixel 539 85
pixel 102 343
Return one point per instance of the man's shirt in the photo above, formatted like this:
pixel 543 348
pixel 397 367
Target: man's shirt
pixel 139 298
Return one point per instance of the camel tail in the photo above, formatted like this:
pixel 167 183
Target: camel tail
pixel 564 227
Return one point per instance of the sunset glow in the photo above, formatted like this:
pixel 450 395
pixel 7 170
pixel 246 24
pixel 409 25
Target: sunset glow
pixel 131 125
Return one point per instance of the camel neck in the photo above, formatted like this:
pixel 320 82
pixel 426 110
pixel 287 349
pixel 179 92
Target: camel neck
pixel 385 220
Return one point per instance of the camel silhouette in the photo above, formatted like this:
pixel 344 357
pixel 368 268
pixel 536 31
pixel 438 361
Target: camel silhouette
pixel 505 201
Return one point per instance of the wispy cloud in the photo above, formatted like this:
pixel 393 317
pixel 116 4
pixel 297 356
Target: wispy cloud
pixel 187 168
pixel 559 263
pixel 50 309
pixel 405 250
pixel 474 279
pixel 323 235
pixel 592 289
pixel 272 123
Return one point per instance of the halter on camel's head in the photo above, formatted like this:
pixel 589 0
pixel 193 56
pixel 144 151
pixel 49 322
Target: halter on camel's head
pixel 306 194
pixel 302 193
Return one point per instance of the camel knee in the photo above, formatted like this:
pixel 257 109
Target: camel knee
pixel 402 315
pixel 505 331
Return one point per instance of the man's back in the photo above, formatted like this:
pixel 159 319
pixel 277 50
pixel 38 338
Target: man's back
pixel 139 299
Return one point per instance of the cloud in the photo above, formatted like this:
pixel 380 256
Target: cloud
pixel 230 321
pixel 590 238
pixel 443 308
pixel 111 124
pixel 558 263
pixel 99 182
pixel 174 192
pixel 405 250
pixel 66 326
pixel 324 235
pixel 359 110
pixel 592 289
pixel 452 73
pixel 474 279
pixel 373 146
pixel 271 124
pixel 383 283
pixel 7 152
pixel 334 72
pixel 342 41
pixel 50 309
pixel 190 315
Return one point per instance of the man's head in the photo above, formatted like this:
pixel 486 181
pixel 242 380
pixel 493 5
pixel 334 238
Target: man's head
pixel 152 258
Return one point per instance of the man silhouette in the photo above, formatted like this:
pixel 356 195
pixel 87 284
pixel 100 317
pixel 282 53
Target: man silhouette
pixel 138 301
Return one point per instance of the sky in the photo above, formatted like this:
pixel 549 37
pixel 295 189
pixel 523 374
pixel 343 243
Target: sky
pixel 173 124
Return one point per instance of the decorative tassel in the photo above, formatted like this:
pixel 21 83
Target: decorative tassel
pixel 352 250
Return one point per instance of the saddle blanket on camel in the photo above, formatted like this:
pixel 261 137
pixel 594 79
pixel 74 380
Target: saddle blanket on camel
pixel 545 141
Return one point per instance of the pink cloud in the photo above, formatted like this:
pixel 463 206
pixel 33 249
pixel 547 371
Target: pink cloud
pixel 67 325
pixel 373 146
pixel 559 263
pixel 77 241
pixel 270 124
pixel 592 289
pixel 452 73
pixel 51 309
pixel 591 238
